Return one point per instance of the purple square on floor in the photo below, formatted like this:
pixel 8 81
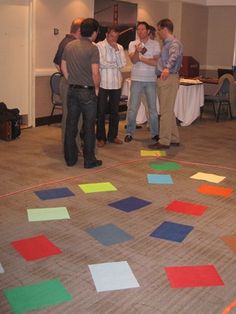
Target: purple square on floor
pixel 53 193
pixel 172 231
pixel 129 204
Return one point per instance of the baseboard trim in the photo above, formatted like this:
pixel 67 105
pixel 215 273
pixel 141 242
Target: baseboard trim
pixel 48 120
pixel 57 117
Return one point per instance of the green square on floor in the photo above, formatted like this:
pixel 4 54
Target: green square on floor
pixel 36 296
pixel 165 166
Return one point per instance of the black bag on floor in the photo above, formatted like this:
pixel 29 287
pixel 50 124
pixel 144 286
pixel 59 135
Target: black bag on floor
pixel 12 116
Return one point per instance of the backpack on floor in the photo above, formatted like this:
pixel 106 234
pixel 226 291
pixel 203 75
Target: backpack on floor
pixel 9 123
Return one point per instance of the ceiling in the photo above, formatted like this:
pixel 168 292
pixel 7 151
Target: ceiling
pixel 212 2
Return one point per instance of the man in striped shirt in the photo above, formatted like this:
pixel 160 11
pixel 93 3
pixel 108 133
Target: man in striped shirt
pixel 112 59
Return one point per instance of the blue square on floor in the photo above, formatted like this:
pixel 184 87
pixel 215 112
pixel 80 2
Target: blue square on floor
pixel 53 193
pixel 129 204
pixel 109 234
pixel 172 231
pixel 159 179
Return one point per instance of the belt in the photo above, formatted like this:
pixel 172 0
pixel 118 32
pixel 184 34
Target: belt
pixel 158 76
pixel 81 86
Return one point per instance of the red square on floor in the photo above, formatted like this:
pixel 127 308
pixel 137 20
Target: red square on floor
pixel 186 208
pixel 35 248
pixel 193 276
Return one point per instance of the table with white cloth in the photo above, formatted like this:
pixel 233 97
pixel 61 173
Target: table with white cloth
pixel 189 99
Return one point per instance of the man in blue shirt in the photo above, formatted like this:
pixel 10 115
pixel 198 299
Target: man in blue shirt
pixel 74 34
pixel 168 67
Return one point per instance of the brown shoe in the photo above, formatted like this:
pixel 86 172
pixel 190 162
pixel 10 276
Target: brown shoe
pixel 100 143
pixel 116 141
pixel 157 145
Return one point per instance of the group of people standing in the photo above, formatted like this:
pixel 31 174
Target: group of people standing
pixel 92 80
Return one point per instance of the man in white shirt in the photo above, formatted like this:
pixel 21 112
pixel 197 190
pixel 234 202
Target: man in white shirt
pixel 112 59
pixel 152 35
pixel 143 54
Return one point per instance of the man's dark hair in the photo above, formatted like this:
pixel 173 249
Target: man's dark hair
pixel 113 28
pixel 143 23
pixel 166 23
pixel 152 30
pixel 88 26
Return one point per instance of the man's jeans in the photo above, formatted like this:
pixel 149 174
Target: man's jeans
pixel 110 106
pixel 136 90
pixel 80 101
pixel 63 94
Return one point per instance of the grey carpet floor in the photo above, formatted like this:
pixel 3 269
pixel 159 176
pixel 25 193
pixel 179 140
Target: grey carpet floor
pixel 35 162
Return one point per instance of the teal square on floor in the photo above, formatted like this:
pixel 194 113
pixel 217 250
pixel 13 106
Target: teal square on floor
pixel 36 296
pixel 159 179
pixel 109 234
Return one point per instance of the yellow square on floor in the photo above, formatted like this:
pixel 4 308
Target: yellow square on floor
pixel 155 153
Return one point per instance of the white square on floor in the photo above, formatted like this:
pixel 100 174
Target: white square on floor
pixel 113 276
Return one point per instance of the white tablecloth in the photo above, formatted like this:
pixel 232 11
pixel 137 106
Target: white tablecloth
pixel 189 99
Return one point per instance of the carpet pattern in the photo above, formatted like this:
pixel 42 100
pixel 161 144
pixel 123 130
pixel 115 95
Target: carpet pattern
pixel 35 162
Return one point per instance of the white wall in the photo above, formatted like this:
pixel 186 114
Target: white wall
pixel 15 54
pixel 52 14
pixel 151 11
pixel 193 32
pixel 220 37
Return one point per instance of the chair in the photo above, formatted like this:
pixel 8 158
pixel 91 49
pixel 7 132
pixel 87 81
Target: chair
pixel 221 97
pixel 221 72
pixel 123 103
pixel 55 92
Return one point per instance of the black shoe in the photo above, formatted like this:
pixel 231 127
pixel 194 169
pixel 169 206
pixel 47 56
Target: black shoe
pixel 155 138
pixel 128 138
pixel 71 164
pixel 93 164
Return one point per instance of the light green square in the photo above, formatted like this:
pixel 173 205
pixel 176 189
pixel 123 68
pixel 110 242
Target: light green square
pixel 44 214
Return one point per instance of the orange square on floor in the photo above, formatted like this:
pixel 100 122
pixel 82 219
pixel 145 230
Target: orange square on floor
pixel 215 190
pixel 230 241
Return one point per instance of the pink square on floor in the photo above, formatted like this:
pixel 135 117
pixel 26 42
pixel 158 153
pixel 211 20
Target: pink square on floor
pixel 35 248
pixel 186 208
pixel 193 276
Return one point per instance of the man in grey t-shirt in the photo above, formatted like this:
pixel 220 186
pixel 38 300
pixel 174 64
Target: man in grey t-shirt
pixel 80 66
